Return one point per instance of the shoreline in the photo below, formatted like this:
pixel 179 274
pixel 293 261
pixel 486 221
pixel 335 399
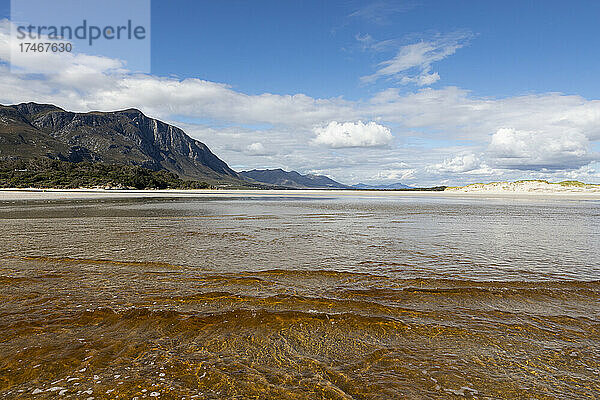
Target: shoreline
pixel 18 194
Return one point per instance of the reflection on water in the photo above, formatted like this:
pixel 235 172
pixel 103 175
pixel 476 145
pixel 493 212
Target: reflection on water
pixel 300 298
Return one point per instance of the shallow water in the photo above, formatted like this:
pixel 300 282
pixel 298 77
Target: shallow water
pixel 300 298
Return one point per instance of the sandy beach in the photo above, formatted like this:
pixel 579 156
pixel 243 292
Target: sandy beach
pixel 83 194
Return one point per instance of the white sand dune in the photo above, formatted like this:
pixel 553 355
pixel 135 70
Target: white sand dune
pixel 529 187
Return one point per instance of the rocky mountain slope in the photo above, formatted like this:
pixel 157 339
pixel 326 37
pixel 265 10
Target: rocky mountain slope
pixel 127 137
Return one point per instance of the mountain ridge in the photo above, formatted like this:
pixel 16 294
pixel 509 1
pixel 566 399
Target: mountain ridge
pixel 391 186
pixel 292 179
pixel 125 137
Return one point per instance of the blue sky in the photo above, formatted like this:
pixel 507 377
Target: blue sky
pixel 424 92
pixel 310 47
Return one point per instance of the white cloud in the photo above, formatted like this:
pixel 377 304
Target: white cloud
pixel 367 42
pixel 394 175
pixel 517 149
pixel 352 134
pixel 424 79
pixel 588 173
pixel 257 149
pixel 547 131
pixel 379 12
pixel 463 116
pixel 460 163
pixel 412 63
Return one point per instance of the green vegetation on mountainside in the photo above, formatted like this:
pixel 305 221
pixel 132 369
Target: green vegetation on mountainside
pixel 46 173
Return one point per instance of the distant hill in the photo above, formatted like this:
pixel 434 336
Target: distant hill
pixel 292 179
pixel 392 186
pixel 30 130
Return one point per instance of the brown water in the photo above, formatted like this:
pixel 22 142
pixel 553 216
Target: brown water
pixel 300 298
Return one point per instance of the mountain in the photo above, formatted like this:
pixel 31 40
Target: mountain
pixel 292 179
pixel 127 137
pixel 392 186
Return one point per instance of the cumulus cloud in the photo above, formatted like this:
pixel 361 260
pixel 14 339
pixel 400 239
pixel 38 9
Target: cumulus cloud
pixel 460 163
pixel 412 63
pixel 512 149
pixel 517 149
pixel 257 149
pixel 352 134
